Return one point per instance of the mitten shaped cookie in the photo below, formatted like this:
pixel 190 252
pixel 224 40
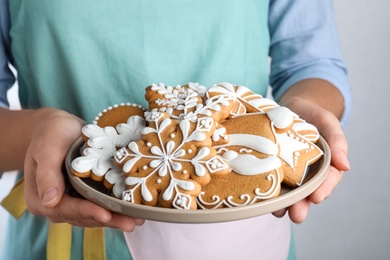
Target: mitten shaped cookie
pixel 256 170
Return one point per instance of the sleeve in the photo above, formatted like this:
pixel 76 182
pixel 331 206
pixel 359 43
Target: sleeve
pixel 7 78
pixel 305 44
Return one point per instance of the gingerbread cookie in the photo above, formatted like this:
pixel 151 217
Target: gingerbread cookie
pixel 171 162
pixel 245 101
pixel 188 102
pixel 174 157
pixel 295 136
pixel 296 151
pixel 117 114
pixel 114 128
pixel 256 170
pixel 224 147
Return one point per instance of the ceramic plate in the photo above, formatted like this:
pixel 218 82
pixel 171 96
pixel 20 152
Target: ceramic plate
pixel 95 191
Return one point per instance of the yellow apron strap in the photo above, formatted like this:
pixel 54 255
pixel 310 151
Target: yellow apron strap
pixel 14 202
pixel 59 241
pixel 94 247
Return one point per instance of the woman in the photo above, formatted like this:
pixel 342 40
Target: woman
pixel 74 58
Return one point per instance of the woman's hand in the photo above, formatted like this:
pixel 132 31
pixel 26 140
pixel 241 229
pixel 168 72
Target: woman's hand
pixel 52 133
pixel 329 127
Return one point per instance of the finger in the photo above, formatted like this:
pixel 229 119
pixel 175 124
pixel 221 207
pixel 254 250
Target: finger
pixel 332 132
pixel 49 178
pixel 30 189
pixel 79 212
pixel 298 211
pixel 124 223
pixel 332 180
pixel 339 151
pixel 280 213
pixel 49 152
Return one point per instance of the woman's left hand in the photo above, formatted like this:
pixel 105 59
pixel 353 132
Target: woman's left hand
pixel 330 129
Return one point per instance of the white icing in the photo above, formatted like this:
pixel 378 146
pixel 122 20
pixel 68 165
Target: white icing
pixel 110 108
pixel 168 156
pixel 220 132
pixel 242 97
pixel 247 164
pixel 187 100
pixel 263 104
pixel 116 177
pixel 288 147
pixel 311 132
pixel 217 202
pixel 281 117
pixel 102 145
pixel 255 142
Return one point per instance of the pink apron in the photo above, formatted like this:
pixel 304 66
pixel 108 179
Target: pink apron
pixel 264 237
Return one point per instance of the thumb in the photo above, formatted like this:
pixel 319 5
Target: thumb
pixel 44 181
pixel 52 135
pixel 338 144
pixel 50 182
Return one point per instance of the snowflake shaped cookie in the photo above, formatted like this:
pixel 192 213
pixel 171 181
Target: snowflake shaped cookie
pixel 114 128
pixel 188 102
pixel 171 162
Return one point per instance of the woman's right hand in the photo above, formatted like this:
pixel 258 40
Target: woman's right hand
pixel 52 133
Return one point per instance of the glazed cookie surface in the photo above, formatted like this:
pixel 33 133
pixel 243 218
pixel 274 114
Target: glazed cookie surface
pixel 114 128
pixel 171 162
pixel 256 170
pixel 295 137
pixel 198 148
pixel 297 149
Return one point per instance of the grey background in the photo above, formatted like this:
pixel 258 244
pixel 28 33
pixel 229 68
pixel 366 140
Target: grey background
pixel 353 222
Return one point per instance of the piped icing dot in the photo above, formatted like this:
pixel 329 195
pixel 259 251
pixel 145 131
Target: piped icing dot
pixel 182 202
pixel 126 197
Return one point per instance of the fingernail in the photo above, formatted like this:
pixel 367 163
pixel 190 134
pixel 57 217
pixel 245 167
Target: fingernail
pixel 139 221
pixel 345 161
pixel 104 218
pixel 48 196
